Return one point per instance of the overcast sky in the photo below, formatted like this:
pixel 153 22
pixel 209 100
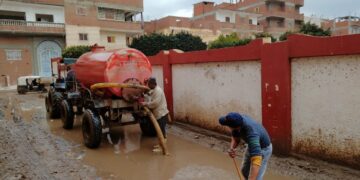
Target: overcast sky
pixel 155 9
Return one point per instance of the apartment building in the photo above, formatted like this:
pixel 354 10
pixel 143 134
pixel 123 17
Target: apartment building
pixel 277 16
pixel 31 32
pixel 343 25
pixel 245 17
pixel 34 31
pixel 209 21
pixel 111 23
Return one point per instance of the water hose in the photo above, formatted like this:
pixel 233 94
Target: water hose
pixel 117 85
pixel 159 133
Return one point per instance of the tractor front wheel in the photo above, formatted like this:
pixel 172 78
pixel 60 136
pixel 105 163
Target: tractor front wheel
pixel 55 107
pixel 67 115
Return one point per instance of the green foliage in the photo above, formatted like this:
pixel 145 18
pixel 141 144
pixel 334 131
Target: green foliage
pixel 228 41
pixel 75 51
pixel 284 36
pixel 264 35
pixel 314 30
pixel 187 42
pixel 154 43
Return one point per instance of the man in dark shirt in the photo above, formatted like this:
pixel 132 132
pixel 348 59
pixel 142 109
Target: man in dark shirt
pixel 259 147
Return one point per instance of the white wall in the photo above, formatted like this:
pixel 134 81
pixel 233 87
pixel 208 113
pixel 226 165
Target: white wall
pixel 221 16
pixel 203 92
pixel 120 40
pixel 72 35
pixel 32 9
pixel 157 72
pixel 326 107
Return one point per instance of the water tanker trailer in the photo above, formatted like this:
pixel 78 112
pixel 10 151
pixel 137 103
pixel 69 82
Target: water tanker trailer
pixel 109 84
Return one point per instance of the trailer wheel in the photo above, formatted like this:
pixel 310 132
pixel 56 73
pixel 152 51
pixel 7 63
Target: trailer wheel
pixel 67 115
pixel 147 128
pixel 55 106
pixel 91 128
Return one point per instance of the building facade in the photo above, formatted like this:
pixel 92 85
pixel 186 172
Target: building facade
pixel 109 23
pixel 343 25
pixel 277 16
pixel 245 17
pixel 31 32
pixel 34 31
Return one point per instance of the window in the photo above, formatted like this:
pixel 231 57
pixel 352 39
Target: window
pixel 13 55
pixel 111 14
pixel 111 39
pixel 81 11
pixel 44 18
pixel 250 21
pixel 257 10
pixel 227 19
pixel 83 36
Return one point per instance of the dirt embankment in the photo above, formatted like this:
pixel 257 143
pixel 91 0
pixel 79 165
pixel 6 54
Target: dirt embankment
pixel 30 151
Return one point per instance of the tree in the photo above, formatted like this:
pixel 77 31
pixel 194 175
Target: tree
pixel 284 36
pixel 228 41
pixel 75 51
pixel 152 44
pixel 314 30
pixel 265 35
pixel 187 42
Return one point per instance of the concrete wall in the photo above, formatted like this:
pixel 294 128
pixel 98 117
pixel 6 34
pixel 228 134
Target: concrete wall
pixel 326 107
pixel 32 9
pixel 203 92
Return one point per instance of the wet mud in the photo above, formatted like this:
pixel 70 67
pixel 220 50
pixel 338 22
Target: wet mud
pixel 36 147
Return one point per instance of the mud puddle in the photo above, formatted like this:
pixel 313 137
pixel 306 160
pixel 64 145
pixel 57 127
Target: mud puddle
pixel 131 156
pixel 26 132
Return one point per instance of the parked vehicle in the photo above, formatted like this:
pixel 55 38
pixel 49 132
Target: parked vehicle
pixel 32 84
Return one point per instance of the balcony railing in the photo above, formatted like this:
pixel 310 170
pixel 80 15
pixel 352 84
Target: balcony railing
pixel 28 27
pixel 124 26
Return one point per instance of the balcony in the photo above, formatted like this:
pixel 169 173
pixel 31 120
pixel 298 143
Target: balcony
pixel 20 27
pixel 121 26
pixel 276 14
pixel 52 2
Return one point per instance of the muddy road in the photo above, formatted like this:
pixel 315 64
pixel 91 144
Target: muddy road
pixel 32 146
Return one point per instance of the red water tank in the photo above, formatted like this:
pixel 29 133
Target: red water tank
pixel 115 66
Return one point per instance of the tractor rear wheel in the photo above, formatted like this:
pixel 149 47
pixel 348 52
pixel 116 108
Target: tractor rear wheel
pixel 92 130
pixel 67 115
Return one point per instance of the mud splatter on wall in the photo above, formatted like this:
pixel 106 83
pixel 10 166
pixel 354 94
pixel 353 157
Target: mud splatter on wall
pixel 326 108
pixel 205 91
